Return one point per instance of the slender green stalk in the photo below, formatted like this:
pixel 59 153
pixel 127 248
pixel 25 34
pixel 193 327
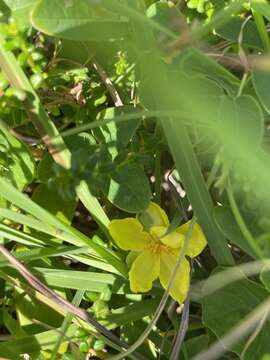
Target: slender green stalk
pixel 262 30
pixel 66 323
pixel 241 223
pixel 242 84
pixel 158 178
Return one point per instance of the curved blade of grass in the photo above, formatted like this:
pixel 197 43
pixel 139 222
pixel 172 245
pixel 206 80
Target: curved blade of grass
pixel 40 253
pixel 62 230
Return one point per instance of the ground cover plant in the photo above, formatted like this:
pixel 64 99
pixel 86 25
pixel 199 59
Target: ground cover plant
pixel 134 188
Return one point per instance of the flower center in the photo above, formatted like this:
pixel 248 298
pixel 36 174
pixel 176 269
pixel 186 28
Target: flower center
pixel 156 246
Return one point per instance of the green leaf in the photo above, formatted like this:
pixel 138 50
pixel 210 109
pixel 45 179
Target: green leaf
pixel 127 314
pixel 59 228
pixel 227 224
pixel 78 20
pixel 115 132
pixel 81 280
pixel 260 80
pixel 12 325
pixel 129 188
pixel 168 16
pixel 50 200
pixel 32 344
pixel 44 169
pixel 232 29
pixel 193 62
pixel 240 118
pixel 228 306
pixel 17 164
pixel 262 7
pixel 194 345
pixel 265 277
pixel 29 308
pixel 20 10
pixel 5 12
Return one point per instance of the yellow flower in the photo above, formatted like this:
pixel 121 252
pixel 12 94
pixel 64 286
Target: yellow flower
pixel 153 254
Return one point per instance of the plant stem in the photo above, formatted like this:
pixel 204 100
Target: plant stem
pixel 157 178
pixel 241 223
pixel 262 30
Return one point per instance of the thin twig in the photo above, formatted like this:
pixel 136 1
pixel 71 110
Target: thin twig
pixel 108 83
pixel 182 330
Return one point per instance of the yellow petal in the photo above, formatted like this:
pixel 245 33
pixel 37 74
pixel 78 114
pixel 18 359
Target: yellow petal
pixel 132 255
pixel 154 215
pixel 173 240
pixel 180 284
pixel 144 271
pixel 197 242
pixel 128 234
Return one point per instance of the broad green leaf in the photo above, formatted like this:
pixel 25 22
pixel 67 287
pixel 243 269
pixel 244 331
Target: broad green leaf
pixel 44 169
pixel 20 10
pixel 228 306
pixel 129 188
pixel 232 30
pixel 261 85
pixel 50 200
pixel 194 345
pixel 116 133
pixel 78 20
pixel 240 118
pixel 193 62
pixel 227 224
